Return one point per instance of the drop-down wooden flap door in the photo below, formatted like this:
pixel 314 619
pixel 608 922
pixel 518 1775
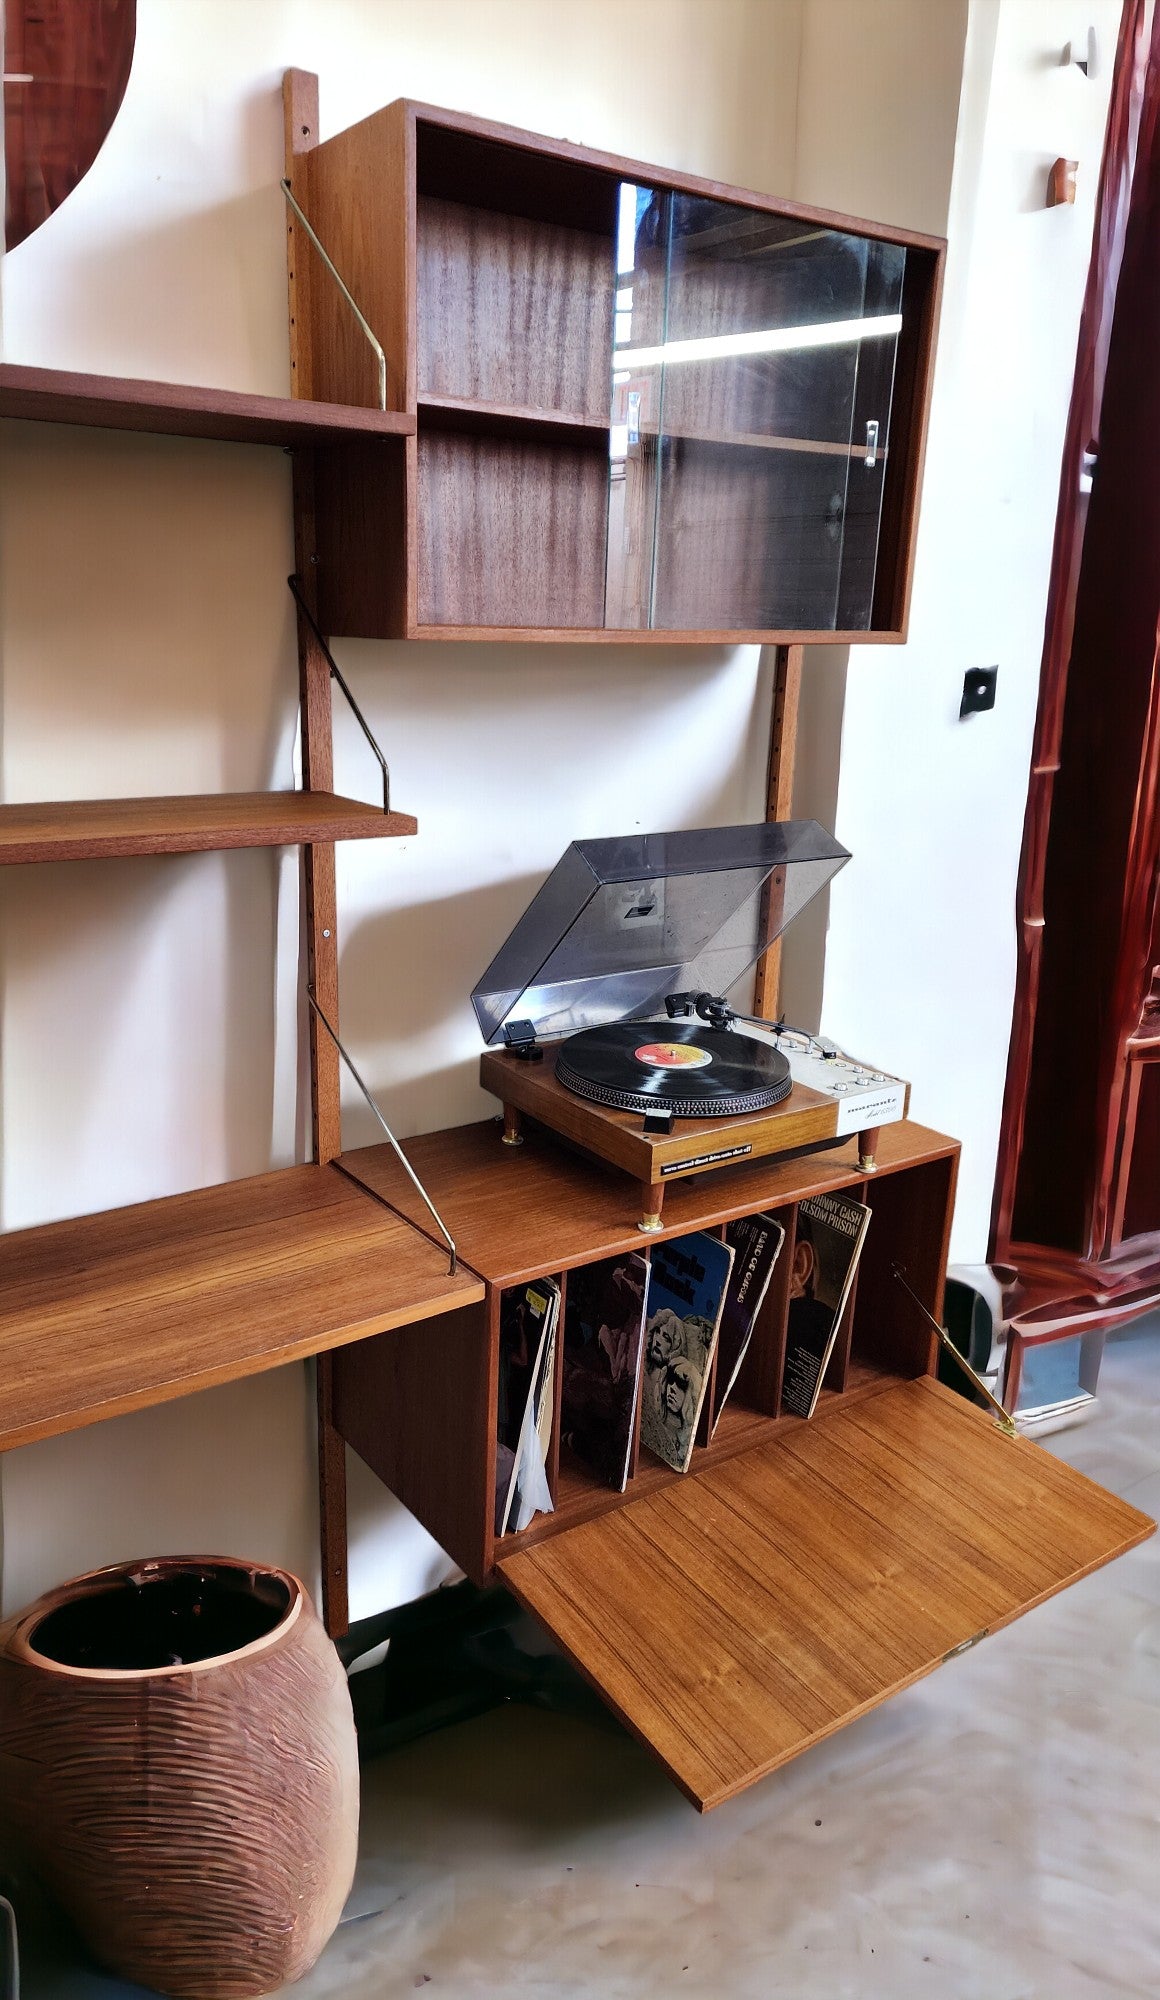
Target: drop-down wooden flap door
pixel 738 1615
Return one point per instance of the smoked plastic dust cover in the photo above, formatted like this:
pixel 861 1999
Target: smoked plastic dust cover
pixel 621 923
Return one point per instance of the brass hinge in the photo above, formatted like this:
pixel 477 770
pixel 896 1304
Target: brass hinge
pixel 965 1647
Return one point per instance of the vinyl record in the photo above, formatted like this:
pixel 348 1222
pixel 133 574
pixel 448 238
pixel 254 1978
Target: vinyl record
pixel 678 1066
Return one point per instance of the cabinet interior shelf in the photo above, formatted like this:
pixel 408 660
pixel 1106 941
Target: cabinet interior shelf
pixel 118 1311
pixel 112 402
pixel 96 829
pixel 471 414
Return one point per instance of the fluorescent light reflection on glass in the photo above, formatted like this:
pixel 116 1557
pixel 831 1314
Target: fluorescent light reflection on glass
pixel 770 340
pixel 626 228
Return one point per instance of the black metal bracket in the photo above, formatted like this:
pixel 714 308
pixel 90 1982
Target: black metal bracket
pixel 336 675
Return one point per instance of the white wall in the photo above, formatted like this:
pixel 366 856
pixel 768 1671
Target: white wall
pixel 149 1008
pixel 920 967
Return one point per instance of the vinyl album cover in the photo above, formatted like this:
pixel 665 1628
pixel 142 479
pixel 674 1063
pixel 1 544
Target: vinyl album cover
pixel 831 1229
pixel 603 1326
pixel 688 1279
pixel 756 1241
pixel 527 1344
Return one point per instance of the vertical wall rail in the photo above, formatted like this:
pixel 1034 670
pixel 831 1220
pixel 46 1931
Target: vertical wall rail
pixel 300 109
pixel 779 798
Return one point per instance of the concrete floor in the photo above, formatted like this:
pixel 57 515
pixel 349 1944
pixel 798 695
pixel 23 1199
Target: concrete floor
pixel 992 1834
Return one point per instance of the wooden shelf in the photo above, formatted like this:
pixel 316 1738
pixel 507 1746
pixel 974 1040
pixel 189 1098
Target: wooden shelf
pixel 522 1212
pixel 96 829
pixel 639 635
pixel 469 413
pixel 111 402
pixel 137 1306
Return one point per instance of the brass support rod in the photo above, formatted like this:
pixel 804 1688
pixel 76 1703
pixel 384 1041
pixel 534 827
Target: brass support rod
pixel 404 1162
pixel 343 287
pixel 1005 1418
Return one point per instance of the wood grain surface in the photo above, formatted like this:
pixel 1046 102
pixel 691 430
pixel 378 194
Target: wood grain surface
pixel 421 1412
pixel 804 1118
pixel 175 409
pixel 619 635
pixel 740 1615
pixel 511 529
pixel 113 1312
pixel 358 189
pixel 528 1211
pixel 513 310
pixel 93 829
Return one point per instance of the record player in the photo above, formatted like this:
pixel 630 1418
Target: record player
pixel 607 1018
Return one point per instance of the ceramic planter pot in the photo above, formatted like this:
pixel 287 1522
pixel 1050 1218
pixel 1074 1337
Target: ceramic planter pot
pixel 177 1750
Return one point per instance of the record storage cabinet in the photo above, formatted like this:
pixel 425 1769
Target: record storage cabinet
pixel 541 1209
pixel 799 1572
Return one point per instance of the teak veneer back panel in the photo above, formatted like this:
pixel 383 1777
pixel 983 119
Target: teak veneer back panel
pixel 511 530
pixel 739 1615
pixel 513 311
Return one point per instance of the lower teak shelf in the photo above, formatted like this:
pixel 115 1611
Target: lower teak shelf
pixel 799 1573
pixel 113 1312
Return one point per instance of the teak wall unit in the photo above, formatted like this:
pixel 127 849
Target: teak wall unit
pixel 802 1572
pixel 646 406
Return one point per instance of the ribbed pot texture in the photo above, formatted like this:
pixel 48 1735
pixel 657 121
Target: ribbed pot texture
pixel 177 1750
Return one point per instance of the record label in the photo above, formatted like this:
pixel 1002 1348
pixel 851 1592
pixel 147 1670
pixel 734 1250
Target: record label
pixel 673 1055
pixel 695 1072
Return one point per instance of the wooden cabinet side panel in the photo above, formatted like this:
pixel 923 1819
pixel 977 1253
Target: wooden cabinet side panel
pixel 909 421
pixel 909 1226
pixel 419 1407
pixel 360 198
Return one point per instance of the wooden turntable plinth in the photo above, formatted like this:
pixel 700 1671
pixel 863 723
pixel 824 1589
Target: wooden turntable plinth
pixel 803 1120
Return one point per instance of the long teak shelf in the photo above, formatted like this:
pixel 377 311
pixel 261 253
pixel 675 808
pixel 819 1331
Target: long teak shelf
pixel 177 409
pixel 92 829
pixel 114 1312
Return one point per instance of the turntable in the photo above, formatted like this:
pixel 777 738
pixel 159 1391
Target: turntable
pixel 606 1016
